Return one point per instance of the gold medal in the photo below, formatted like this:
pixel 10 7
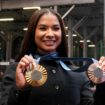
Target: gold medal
pixel 36 77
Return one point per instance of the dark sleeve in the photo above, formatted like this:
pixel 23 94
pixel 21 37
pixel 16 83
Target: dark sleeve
pixel 7 82
pixel 99 94
pixel 17 97
pixel 10 95
pixel 86 92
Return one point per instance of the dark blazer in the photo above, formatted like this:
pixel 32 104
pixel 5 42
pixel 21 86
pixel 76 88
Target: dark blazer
pixel 100 94
pixel 61 88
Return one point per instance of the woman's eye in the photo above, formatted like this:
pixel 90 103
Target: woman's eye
pixel 56 28
pixel 42 28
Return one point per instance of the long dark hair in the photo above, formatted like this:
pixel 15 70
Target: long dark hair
pixel 29 45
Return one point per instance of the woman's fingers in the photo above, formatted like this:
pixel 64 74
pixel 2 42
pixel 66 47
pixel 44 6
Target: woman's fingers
pixel 102 63
pixel 27 59
pixel 21 69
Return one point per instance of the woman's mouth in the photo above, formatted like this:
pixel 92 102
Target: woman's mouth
pixel 49 42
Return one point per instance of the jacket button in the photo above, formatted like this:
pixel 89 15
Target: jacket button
pixel 53 71
pixel 56 87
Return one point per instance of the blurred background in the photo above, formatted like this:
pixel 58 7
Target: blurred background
pixel 84 20
pixel 84 23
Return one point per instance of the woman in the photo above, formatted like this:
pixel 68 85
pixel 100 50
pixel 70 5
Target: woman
pixel 46 38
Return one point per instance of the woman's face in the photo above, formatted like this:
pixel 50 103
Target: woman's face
pixel 48 33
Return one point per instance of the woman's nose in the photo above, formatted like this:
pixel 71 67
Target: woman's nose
pixel 50 32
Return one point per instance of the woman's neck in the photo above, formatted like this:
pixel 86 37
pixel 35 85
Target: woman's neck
pixel 43 52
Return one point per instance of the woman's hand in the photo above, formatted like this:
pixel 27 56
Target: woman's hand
pixel 95 71
pixel 102 63
pixel 20 71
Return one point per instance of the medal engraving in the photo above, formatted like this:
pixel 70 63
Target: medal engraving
pixel 98 73
pixel 35 77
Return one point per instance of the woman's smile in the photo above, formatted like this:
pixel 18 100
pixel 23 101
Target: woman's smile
pixel 49 42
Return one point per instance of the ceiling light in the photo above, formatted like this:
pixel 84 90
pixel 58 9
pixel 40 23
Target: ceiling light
pixel 25 8
pixel 67 35
pixel 74 34
pixel 66 28
pixel 91 45
pixel 83 41
pixel 6 19
pixel 25 29
pixel 88 40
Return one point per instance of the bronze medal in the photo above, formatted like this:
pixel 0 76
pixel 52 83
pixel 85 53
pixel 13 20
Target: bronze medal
pixel 95 74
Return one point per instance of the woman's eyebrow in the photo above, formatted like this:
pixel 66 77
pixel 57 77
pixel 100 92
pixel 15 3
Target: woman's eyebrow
pixel 54 25
pixel 42 25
